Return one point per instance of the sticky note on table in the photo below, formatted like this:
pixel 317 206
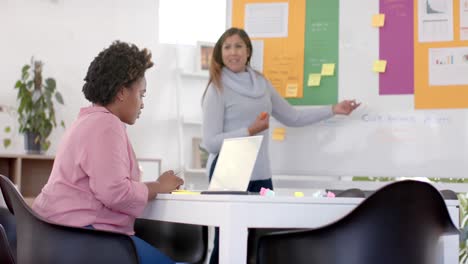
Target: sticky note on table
pixel 380 65
pixel 328 69
pixel 298 194
pixel 291 90
pixel 314 79
pixel 378 20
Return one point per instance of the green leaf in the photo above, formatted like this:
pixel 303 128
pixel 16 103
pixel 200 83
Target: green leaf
pixel 50 84
pixel 6 142
pixel 25 76
pixel 62 123
pixel 29 84
pixel 26 68
pixel 59 98
pixel 18 84
pixel 7 129
pixel 45 145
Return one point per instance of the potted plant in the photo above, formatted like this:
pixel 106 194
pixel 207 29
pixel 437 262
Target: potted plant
pixel 36 112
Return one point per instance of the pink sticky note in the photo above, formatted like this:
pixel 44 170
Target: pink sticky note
pixel 330 195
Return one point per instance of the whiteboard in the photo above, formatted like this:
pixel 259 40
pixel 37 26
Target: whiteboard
pixel 386 136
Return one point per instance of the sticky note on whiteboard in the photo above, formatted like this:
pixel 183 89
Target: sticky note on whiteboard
pixel 314 79
pixel 328 69
pixel 378 20
pixel 380 66
pixel 291 90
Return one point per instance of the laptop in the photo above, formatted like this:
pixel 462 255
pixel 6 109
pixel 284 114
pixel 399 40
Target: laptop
pixel 235 164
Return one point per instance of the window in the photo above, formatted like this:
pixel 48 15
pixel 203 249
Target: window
pixel 189 21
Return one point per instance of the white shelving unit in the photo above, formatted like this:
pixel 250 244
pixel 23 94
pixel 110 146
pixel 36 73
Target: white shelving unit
pixel 189 91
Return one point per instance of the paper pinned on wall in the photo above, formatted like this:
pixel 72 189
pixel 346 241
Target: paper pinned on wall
pixel 314 79
pixel 256 61
pixel 291 90
pixel 267 20
pixel 328 69
pixel 378 20
pixel 380 66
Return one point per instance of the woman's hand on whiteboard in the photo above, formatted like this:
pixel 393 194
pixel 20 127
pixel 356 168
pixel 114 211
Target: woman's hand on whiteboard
pixel 345 107
pixel 261 123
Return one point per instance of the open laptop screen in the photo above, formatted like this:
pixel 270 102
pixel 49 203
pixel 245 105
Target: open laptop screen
pixel 235 164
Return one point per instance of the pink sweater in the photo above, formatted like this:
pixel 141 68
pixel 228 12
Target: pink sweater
pixel 95 177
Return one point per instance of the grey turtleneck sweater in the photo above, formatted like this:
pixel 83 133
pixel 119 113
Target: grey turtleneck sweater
pixel 244 96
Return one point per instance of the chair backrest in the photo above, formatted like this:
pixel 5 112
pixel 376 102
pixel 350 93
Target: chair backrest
pixel 181 242
pixel 39 241
pixel 400 223
pixel 7 220
pixel 6 256
pixel 354 192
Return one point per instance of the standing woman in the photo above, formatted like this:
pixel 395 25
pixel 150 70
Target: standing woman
pixel 95 178
pixel 238 102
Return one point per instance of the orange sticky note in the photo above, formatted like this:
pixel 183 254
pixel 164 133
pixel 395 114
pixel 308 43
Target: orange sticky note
pixel 378 20
pixel 291 90
pixel 380 65
pixel 314 79
pixel 279 130
pixel 328 69
pixel 278 137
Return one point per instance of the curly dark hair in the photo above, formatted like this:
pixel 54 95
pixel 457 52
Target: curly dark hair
pixel 119 65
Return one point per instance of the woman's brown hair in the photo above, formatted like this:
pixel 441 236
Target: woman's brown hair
pixel 216 64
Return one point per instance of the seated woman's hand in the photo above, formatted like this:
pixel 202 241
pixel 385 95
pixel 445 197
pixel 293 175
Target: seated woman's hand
pixel 169 182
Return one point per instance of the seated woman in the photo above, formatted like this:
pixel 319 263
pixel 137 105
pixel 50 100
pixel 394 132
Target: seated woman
pixel 95 178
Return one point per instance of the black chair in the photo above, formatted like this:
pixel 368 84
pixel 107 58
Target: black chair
pixel 181 242
pixel 400 223
pixel 256 233
pixel 7 220
pixel 354 192
pixel 6 256
pixel 449 194
pixel 40 241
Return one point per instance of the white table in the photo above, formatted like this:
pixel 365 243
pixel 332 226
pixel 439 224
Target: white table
pixel 234 214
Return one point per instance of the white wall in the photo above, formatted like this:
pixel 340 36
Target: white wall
pixel 67 35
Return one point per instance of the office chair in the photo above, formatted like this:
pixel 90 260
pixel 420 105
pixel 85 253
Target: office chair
pixel 6 256
pixel 181 242
pixel 449 194
pixel 400 223
pixel 354 192
pixel 7 220
pixel 256 233
pixel 40 241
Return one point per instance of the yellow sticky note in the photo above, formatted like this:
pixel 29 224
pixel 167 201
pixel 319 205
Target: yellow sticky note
pixel 380 65
pixel 298 194
pixel 291 90
pixel 314 79
pixel 328 69
pixel 378 20
pixel 278 137
pixel 279 130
